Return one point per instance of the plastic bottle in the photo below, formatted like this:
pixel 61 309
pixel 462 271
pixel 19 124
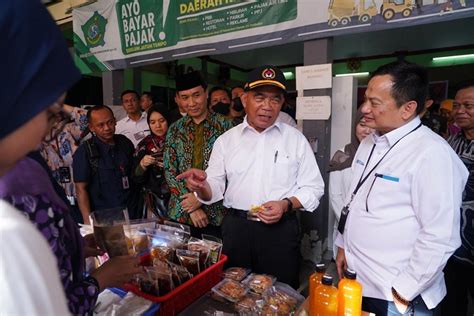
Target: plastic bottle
pixel 314 281
pixel 326 298
pixel 350 295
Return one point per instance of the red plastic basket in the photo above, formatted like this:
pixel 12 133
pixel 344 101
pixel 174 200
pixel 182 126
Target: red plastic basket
pixel 185 294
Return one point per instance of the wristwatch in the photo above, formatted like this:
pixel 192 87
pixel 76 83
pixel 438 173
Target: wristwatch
pixel 290 204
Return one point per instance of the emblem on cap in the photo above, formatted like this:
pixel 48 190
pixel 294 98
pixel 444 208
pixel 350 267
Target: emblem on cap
pixel 268 73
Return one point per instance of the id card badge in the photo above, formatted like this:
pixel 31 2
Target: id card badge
pixel 64 174
pixel 125 183
pixel 139 135
pixel 343 219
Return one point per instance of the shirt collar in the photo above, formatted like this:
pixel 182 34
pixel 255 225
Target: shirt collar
pixel 143 116
pixel 246 126
pixel 395 135
pixel 188 119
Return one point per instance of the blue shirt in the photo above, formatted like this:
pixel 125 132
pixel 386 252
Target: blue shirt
pixel 106 186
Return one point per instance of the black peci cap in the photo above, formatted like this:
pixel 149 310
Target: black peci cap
pixel 190 80
pixel 266 76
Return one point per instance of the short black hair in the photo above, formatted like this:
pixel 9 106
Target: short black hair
pixel 219 88
pixel 129 91
pixel 465 84
pixel 97 108
pixel 150 95
pixel 410 82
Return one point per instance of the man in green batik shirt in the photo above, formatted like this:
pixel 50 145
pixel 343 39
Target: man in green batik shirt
pixel 188 145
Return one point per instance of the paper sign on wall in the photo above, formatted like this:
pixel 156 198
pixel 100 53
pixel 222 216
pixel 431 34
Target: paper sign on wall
pixel 314 77
pixel 313 108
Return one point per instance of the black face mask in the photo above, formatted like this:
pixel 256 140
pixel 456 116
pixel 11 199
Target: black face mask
pixel 221 108
pixel 237 104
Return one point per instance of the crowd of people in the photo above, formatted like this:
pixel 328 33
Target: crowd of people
pixel 231 164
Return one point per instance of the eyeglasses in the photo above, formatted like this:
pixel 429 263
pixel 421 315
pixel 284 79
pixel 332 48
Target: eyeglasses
pixel 57 119
pixel 467 106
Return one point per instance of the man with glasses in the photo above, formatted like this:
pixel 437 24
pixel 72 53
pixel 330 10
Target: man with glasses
pixel 102 167
pixel 188 145
pixel 134 125
pixel 264 170
pixel 401 221
pixel 459 271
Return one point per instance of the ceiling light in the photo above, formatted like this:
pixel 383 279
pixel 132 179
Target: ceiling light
pixel 453 58
pixel 289 75
pixel 358 74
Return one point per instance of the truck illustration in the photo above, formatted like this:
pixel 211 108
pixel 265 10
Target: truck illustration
pixel 341 12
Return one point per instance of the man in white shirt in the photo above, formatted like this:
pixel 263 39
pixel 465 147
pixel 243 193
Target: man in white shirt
pixel 264 163
pixel 402 223
pixel 134 126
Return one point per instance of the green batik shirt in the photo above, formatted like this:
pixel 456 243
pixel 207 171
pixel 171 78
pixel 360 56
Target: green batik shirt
pixel 180 155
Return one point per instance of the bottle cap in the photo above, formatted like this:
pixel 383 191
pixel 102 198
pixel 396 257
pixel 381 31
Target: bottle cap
pixel 350 274
pixel 326 280
pixel 320 267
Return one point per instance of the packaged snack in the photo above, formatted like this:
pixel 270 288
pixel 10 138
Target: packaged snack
pixel 249 304
pixel 231 290
pixel 281 298
pixel 215 248
pixel 189 259
pixel 236 273
pixel 202 247
pixel 176 230
pixel 259 283
pixel 254 209
pixel 162 253
pixel 148 285
pixel 162 274
pixel 180 274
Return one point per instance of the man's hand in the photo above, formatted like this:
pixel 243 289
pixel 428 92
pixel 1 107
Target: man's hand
pixel 117 271
pixel 189 202
pixel 273 211
pixel 195 179
pixel 341 263
pixel 90 247
pixel 199 218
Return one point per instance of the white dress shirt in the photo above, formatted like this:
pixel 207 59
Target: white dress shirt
pixel 286 118
pixel 261 167
pixel 339 186
pixel 404 231
pixel 133 130
pixel 29 275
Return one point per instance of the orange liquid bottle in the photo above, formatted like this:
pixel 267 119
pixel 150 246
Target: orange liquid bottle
pixel 326 298
pixel 314 281
pixel 350 295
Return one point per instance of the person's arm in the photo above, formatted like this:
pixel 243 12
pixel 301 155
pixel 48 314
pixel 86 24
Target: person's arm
pixel 436 202
pixel 309 180
pixel 83 200
pixel 170 164
pixel 82 173
pixel 336 195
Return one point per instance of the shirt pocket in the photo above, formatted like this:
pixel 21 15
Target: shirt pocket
pixel 384 193
pixel 284 169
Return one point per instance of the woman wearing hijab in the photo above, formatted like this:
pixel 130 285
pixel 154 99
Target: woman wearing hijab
pixel 340 176
pixel 39 71
pixel 149 172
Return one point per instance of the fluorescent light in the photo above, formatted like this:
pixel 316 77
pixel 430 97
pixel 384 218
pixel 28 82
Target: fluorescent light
pixel 452 58
pixel 288 75
pixel 358 74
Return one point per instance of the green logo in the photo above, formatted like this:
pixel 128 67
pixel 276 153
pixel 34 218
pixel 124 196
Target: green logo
pixel 94 30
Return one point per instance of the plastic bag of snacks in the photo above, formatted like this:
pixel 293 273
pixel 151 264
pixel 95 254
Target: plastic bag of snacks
pixel 163 277
pixel 180 274
pixel 236 273
pixel 177 230
pixel 259 283
pixel 189 260
pixel 215 248
pixel 202 247
pixel 230 290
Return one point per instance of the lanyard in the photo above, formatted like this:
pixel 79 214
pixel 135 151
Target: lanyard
pixel 362 178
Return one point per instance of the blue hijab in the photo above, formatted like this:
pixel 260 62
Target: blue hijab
pixel 37 67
